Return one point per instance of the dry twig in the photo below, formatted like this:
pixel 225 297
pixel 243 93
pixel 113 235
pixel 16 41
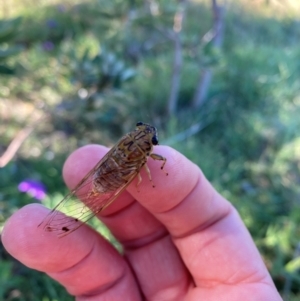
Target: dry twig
pixel 16 143
pixel 216 36
pixel 177 61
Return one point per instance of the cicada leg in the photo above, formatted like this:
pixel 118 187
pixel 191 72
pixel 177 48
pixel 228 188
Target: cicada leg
pixel 138 182
pixel 140 177
pixel 149 174
pixel 154 157
pixel 160 158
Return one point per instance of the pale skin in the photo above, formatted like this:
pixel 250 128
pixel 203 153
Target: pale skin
pixel 154 157
pixel 182 240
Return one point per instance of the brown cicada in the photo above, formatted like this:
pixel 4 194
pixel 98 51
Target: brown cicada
pixel 105 182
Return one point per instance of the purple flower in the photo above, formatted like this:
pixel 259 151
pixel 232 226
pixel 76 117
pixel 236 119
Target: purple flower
pixel 48 46
pixel 61 8
pixel 51 23
pixel 34 188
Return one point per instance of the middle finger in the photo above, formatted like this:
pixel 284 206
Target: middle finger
pixel 146 242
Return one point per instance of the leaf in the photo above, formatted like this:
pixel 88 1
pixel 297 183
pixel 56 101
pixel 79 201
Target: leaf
pixel 6 70
pixel 5 53
pixel 8 29
pixel 293 265
pixel 128 74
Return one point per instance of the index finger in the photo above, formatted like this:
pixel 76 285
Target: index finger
pixel 208 232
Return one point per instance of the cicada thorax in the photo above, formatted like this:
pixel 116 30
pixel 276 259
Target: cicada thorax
pixel 127 157
pixel 106 178
pixel 138 145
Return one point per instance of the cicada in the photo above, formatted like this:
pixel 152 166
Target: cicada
pixel 106 181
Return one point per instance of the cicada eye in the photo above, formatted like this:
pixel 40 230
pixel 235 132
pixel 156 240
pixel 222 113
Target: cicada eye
pixel 154 140
pixel 139 123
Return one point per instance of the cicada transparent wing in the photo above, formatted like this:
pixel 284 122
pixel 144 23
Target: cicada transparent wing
pixel 83 202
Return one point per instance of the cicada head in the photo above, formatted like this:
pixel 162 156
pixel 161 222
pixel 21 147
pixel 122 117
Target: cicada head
pixel 147 132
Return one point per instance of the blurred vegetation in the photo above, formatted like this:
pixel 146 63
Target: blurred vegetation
pixel 78 72
pixel 8 31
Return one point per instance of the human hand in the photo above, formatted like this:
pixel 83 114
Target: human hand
pixel 181 239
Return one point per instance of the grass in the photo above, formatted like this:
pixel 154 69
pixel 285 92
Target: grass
pixel 248 147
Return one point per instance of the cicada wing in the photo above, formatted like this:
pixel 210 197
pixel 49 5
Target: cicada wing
pixel 80 205
pixel 74 213
pixel 70 204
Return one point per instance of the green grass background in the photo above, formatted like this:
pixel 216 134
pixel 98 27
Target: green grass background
pixel 94 70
